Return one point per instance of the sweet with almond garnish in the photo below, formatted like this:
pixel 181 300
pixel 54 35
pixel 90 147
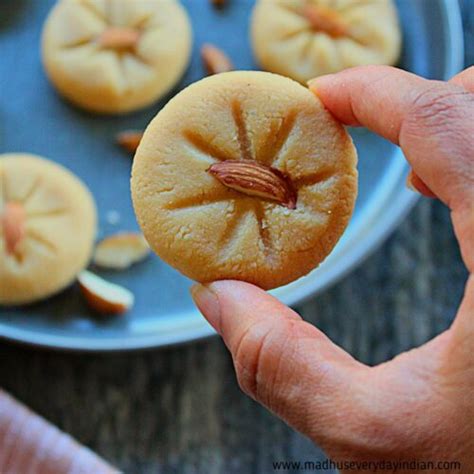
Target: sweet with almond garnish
pixel 244 175
pixel 303 39
pixel 116 56
pixel 47 228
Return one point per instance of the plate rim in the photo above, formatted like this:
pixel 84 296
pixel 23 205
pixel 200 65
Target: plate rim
pixel 398 209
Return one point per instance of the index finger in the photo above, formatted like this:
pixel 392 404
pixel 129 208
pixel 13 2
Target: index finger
pixel 431 120
pixel 376 97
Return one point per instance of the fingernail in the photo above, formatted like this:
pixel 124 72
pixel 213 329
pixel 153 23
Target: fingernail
pixel 409 183
pixel 208 303
pixel 317 81
pixel 416 184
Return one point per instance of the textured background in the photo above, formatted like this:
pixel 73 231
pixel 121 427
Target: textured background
pixel 180 410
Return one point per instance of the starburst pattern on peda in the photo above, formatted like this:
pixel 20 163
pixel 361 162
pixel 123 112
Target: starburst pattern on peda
pixel 30 234
pixel 272 153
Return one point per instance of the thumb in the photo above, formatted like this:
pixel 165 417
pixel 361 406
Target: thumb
pixel 281 361
pixel 431 120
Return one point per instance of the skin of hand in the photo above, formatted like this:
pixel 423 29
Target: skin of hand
pixel 420 405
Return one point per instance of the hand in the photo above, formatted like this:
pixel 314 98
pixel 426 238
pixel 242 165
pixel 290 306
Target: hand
pixel 419 405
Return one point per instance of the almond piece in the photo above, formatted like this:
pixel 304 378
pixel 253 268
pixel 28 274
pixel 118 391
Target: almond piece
pixel 325 20
pixel 218 3
pixel 255 179
pixel 215 60
pixel 13 222
pixel 121 251
pixel 116 37
pixel 129 140
pixel 104 297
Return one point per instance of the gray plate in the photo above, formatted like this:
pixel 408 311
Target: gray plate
pixel 33 119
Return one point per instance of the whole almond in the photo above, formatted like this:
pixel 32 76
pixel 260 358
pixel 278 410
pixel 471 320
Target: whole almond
pixel 129 140
pixel 215 60
pixel 13 222
pixel 257 180
pixel 325 20
pixel 116 37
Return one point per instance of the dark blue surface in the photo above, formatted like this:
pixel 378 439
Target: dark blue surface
pixel 34 119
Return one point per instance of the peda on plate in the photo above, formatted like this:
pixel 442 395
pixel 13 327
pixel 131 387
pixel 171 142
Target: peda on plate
pixel 116 56
pixel 303 39
pixel 47 228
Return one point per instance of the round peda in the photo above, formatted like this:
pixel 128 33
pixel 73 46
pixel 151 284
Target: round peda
pixel 244 175
pixel 303 39
pixel 116 56
pixel 47 228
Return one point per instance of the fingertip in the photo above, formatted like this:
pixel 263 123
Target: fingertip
pixel 364 96
pixel 332 90
pixel 320 82
pixel 231 306
pixel 246 300
pixel 230 303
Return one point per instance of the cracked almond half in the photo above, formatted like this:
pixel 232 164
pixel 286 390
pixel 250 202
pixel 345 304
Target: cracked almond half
pixel 104 297
pixel 47 228
pixel 121 251
pixel 244 175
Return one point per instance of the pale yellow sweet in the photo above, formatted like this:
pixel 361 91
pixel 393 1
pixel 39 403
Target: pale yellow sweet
pixel 210 232
pixel 58 229
pixel 349 33
pixel 116 79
